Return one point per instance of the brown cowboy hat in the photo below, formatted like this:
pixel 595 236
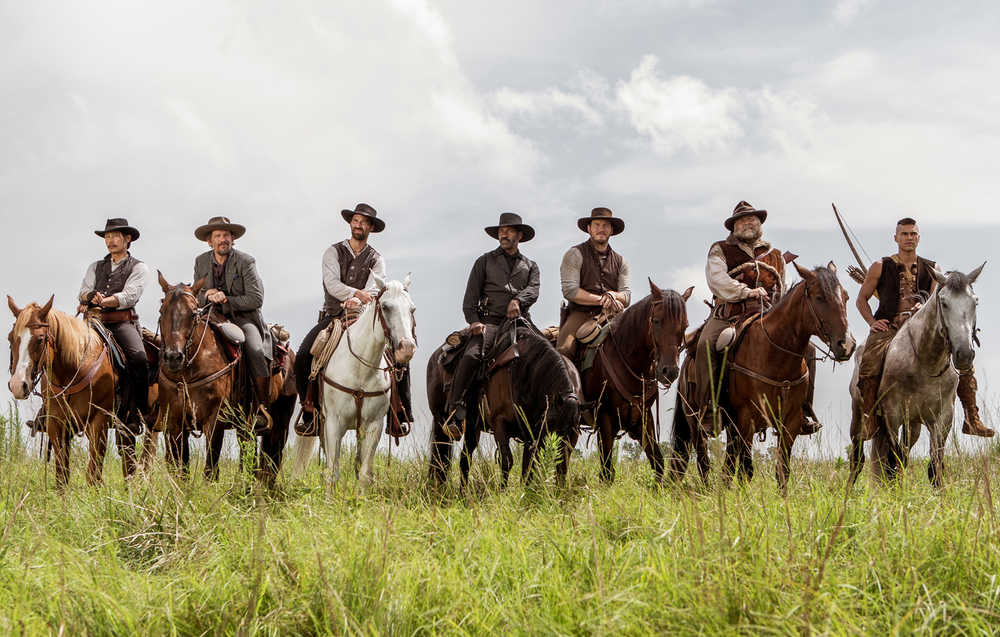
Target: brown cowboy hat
pixel 118 225
pixel 511 219
pixel 617 225
pixel 743 209
pixel 364 210
pixel 202 233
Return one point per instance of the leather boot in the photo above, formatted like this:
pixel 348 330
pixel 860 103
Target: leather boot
pixel 464 374
pixel 262 395
pixel 869 395
pixel 307 424
pixel 967 387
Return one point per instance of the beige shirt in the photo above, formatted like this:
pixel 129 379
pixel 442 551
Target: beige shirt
pixel 722 285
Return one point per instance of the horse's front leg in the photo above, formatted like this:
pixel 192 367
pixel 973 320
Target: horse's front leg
pixel 214 435
pixel 528 453
pixel 368 437
pixel 857 448
pixel 606 445
pixel 333 435
pixel 650 445
pixel 471 443
pixel 503 446
pixel 60 437
pixel 567 443
pixel 782 468
pixel 938 433
pixel 150 442
pixel 97 433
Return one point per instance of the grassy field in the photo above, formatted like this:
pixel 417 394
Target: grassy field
pixel 157 557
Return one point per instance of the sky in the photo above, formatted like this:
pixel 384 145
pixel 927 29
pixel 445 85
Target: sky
pixel 443 114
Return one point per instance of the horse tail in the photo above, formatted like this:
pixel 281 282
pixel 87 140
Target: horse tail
pixel 305 449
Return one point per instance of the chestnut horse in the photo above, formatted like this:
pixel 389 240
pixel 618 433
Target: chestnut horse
pixel 767 377
pixel 640 352
pixel 78 384
pixel 534 394
pixel 197 380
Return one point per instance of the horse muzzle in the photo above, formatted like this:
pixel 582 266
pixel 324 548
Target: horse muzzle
pixel 962 358
pixel 404 351
pixel 173 360
pixel 843 348
pixel 18 387
pixel 667 374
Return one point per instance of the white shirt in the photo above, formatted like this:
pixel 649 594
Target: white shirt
pixel 722 285
pixel 331 275
pixel 129 295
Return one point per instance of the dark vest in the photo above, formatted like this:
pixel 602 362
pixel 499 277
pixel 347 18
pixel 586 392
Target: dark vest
pixel 108 282
pixel 888 286
pixel 736 256
pixel 596 279
pixel 354 271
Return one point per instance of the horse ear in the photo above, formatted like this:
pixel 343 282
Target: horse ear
pixel 44 312
pixel 163 282
pixel 832 267
pixel 654 290
pixel 407 281
pixel 379 281
pixel 199 284
pixel 972 275
pixel 805 273
pixel 13 307
pixel 687 293
pixel 940 277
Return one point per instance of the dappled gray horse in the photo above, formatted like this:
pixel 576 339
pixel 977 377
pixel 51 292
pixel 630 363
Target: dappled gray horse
pixel 920 379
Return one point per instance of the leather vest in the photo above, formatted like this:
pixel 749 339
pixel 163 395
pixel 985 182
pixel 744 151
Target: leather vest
pixel 108 281
pixel 594 277
pixel 769 266
pixel 888 286
pixel 354 271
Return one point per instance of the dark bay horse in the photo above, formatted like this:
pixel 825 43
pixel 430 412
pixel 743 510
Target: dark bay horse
pixel 77 384
pixel 535 394
pixel 767 377
pixel 640 352
pixel 197 380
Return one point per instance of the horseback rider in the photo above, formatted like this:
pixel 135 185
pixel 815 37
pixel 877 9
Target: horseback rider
pixel 594 278
pixel 349 271
pixel 745 275
pixel 111 288
pixel 901 282
pixel 234 287
pixel 503 285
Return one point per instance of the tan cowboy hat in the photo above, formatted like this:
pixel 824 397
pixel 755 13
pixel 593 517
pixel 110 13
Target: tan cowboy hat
pixel 364 210
pixel 118 225
pixel 743 209
pixel 617 225
pixel 202 233
pixel 511 219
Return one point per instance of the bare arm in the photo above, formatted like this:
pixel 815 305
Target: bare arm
pixel 865 295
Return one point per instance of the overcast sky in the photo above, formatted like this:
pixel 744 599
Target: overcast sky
pixel 443 114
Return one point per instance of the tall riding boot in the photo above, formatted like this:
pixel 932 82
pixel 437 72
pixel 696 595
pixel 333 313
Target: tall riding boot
pixel 868 386
pixel 455 424
pixel 262 400
pixel 810 423
pixel 967 387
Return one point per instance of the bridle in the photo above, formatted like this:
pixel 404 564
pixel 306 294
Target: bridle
pixel 39 370
pixel 822 329
pixel 201 317
pixel 389 355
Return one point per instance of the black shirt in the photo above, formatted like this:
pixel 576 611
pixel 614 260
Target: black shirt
pixel 496 278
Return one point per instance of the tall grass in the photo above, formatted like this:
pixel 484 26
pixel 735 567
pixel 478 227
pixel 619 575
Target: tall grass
pixel 157 556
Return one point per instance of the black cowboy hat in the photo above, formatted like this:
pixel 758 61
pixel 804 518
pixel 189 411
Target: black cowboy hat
pixel 617 225
pixel 202 233
pixel 511 219
pixel 118 225
pixel 743 209
pixel 364 210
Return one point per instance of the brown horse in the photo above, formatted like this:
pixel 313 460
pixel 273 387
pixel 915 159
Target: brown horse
pixel 527 398
pixel 640 352
pixel 77 384
pixel 767 377
pixel 197 380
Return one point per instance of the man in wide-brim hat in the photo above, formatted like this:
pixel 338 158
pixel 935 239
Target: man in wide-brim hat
pixel 744 273
pixel 233 285
pixel 111 288
pixel 594 278
pixel 349 270
pixel 503 284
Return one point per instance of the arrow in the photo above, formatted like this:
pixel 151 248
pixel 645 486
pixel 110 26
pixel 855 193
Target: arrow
pixel 859 273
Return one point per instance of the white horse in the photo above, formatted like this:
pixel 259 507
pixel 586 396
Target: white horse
pixel 355 387
pixel 920 379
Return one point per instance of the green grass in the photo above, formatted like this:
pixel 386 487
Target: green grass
pixel 157 557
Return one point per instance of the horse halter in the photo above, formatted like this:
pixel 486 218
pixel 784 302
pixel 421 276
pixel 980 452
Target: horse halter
pixel 37 369
pixel 390 354
pixel 824 333
pixel 201 315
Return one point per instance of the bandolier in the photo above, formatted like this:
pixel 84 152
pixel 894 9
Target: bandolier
pixel 765 269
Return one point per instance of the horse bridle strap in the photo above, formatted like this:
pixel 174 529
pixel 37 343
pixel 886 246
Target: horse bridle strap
pixel 358 394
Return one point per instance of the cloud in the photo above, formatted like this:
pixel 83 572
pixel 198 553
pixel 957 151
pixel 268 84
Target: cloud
pixel 551 103
pixel 845 11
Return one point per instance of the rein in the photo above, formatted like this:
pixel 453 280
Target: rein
pixel 819 322
pixel 72 387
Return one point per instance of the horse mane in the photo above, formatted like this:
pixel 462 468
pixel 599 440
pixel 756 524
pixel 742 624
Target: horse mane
pixel 632 320
pixel 828 283
pixel 541 369
pixel 71 336
pixel 957 281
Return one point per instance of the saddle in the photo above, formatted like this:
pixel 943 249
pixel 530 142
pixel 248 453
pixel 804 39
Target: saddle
pixel 117 356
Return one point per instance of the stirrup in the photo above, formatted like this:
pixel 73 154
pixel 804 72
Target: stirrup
pixel 453 428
